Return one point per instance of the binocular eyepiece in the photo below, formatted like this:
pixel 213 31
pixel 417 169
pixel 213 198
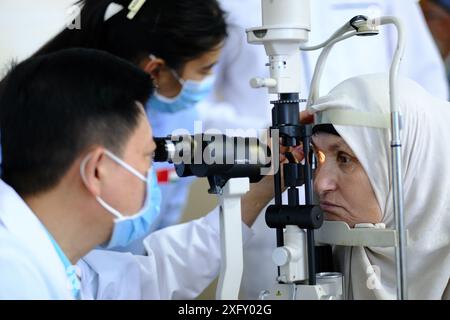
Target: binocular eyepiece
pixel 214 155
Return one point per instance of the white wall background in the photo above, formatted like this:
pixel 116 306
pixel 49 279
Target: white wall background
pixel 25 25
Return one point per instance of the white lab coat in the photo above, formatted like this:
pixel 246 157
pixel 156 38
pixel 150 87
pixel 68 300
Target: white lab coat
pixel 182 260
pixel 29 265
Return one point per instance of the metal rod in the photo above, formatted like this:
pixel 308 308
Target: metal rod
pixel 309 200
pixel 400 249
pixel 396 159
pixel 278 202
pixel 311 257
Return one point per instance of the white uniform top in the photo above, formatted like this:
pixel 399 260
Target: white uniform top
pixel 182 260
pixel 29 265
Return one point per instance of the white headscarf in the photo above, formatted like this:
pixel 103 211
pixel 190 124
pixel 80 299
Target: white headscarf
pixel 426 181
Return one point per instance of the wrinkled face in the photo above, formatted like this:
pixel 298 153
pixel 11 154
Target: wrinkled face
pixel 342 184
pixel 122 189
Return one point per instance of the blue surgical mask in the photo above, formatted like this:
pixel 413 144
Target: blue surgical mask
pixel 130 228
pixel 191 93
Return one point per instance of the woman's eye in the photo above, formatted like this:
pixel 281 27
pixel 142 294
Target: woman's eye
pixel 344 158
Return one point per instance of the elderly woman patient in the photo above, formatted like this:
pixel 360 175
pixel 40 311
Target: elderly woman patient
pixel 353 185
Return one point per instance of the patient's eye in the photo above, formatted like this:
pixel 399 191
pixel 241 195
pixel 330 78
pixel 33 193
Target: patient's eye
pixel 346 162
pixel 343 158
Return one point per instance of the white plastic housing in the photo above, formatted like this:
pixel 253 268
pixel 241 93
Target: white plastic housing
pixel 286 24
pixel 291 257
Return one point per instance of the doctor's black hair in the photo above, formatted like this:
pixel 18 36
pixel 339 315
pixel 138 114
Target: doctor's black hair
pixel 55 107
pixel 175 30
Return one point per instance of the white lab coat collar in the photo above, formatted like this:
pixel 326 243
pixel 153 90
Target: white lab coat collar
pixel 18 218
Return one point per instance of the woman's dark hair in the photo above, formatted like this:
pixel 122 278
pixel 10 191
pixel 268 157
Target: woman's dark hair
pixel 175 30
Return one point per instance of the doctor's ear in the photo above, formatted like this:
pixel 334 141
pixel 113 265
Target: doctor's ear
pixel 91 170
pixel 153 65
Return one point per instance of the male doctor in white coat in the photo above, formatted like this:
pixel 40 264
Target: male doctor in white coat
pixel 77 174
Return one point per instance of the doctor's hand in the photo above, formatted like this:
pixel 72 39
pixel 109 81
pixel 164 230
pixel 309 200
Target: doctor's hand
pixel 261 193
pixel 297 152
pixel 306 117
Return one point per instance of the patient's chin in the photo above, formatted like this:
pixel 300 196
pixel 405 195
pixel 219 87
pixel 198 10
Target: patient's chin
pixel 335 217
pixel 332 216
